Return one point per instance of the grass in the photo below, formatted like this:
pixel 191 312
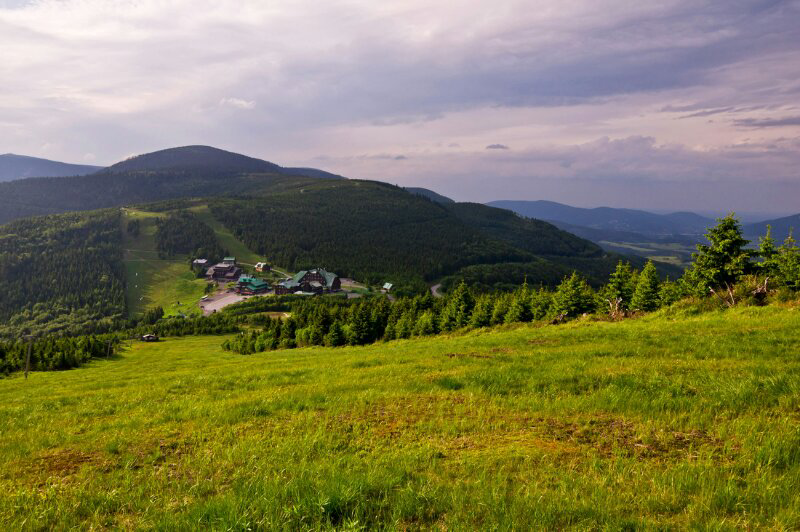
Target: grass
pixel 649 423
pixel 228 241
pixel 152 281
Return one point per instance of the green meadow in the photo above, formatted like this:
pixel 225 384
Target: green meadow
pixel 674 420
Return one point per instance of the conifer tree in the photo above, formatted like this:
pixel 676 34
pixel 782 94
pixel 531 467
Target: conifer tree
pixel 573 297
pixel 646 296
pixel 335 336
pixel 458 309
pixel 426 324
pixel 788 263
pixel 482 313
pixel 520 308
pixel 620 286
pixel 769 255
pixel 723 261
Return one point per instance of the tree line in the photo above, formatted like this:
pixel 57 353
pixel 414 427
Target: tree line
pixel 724 264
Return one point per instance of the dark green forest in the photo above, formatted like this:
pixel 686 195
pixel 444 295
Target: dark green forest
pixel 182 232
pixel 61 274
pixel 374 232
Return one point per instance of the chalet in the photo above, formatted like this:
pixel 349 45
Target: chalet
pixel 251 285
pixel 224 272
pixel 316 281
pixel 262 267
pixel 149 338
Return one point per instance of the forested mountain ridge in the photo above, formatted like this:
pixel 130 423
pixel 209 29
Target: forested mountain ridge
pixel 14 166
pixel 608 218
pixel 190 171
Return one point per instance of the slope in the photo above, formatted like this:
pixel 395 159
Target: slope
pixel 21 166
pixel 152 281
pixel 645 424
pixel 780 228
pixel 611 219
pixel 190 171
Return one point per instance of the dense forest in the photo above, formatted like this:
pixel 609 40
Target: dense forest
pixel 725 272
pixel 184 233
pixel 376 232
pixel 61 274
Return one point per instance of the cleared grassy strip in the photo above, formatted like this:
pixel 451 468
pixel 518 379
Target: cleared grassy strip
pixel 690 423
pixel 226 238
pixel 151 281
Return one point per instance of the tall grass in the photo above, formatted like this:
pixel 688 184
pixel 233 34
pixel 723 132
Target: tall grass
pixel 651 423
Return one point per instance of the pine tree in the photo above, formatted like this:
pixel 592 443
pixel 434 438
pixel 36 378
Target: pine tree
pixel 482 313
pixel 520 308
pixel 620 286
pixel 426 324
pixel 788 263
pixel 724 261
pixel 335 336
pixel 573 297
pixel 458 309
pixel 769 255
pixel 646 296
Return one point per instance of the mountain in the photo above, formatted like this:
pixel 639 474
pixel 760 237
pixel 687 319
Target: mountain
pixel 430 194
pixel 189 171
pixel 780 228
pixel 607 218
pixel 21 166
pixel 205 158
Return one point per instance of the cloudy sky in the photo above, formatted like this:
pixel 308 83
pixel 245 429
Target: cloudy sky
pixel 675 104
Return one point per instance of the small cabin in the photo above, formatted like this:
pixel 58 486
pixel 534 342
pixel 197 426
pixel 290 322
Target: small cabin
pixel 387 287
pixel 149 338
pixel 262 267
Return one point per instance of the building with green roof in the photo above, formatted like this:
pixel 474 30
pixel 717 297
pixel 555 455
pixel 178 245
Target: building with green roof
pixel 251 285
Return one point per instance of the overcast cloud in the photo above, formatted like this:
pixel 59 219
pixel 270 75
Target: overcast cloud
pixel 683 104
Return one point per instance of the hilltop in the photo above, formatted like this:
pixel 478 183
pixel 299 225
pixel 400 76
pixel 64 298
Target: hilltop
pixel 190 171
pixel 14 167
pixel 194 158
pixel 666 421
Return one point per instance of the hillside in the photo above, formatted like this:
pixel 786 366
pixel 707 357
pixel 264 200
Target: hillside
pixel 430 194
pixel 61 274
pixel 780 228
pixel 607 218
pixel 651 423
pixel 21 166
pixel 202 158
pixel 375 232
pixel 190 171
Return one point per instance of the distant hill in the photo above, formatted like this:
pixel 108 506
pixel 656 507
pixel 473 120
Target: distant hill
pixel 14 167
pixel 607 218
pixel 205 158
pixel 430 194
pixel 189 171
pixel 780 228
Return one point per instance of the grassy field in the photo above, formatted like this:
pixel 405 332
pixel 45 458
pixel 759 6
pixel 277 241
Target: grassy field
pixel 650 423
pixel 152 281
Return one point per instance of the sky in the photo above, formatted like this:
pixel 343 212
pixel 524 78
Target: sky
pixel 668 105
